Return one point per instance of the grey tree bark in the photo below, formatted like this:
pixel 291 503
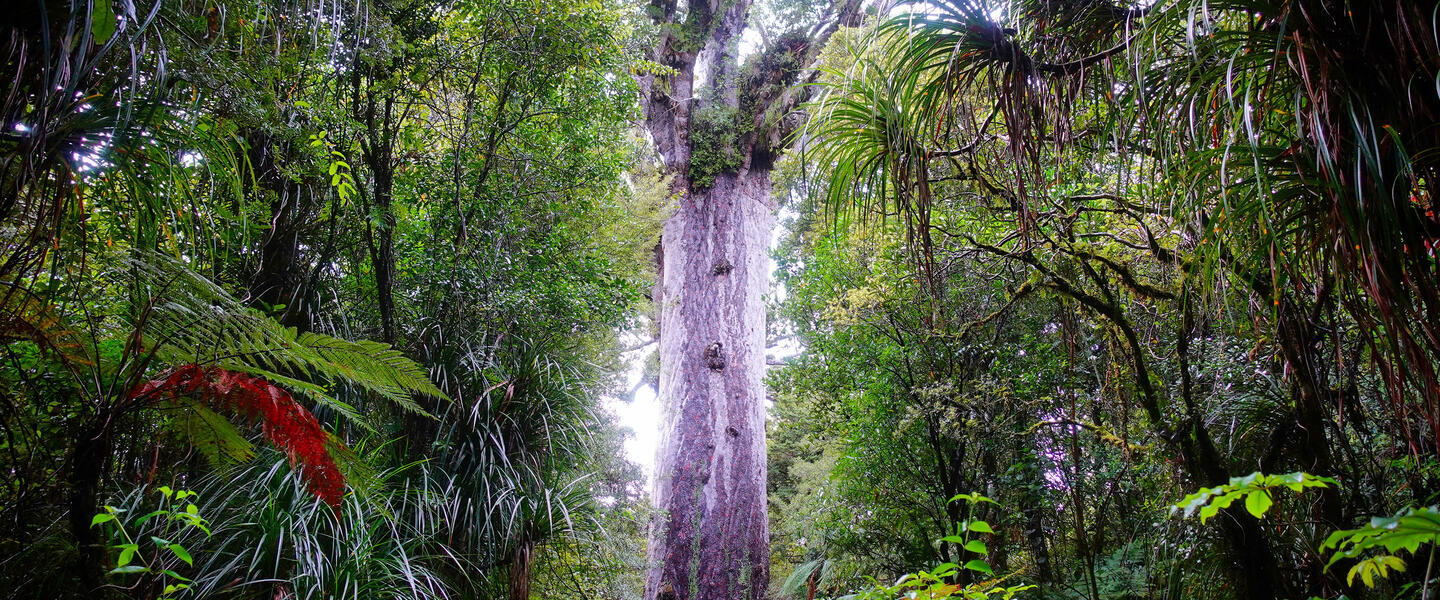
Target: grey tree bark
pixel 710 540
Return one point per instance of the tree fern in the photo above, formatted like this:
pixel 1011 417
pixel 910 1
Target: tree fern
pixel 214 357
pixel 190 320
pixel 26 316
pixel 211 434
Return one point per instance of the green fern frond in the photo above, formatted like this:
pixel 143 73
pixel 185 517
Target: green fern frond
pixel 190 320
pixel 373 366
pixel 313 393
pixel 211 434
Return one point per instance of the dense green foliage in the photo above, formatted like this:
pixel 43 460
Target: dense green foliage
pixel 1086 258
pixel 202 202
pixel 1100 300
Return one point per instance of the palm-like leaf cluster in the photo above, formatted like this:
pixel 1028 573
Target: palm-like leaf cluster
pixel 513 450
pixel 1310 143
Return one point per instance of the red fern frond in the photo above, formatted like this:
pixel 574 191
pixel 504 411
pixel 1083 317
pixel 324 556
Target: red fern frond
pixel 285 423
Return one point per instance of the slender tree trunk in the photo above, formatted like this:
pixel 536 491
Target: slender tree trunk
pixel 279 278
pixel 383 260
pixel 87 468
pixel 712 538
pixel 378 153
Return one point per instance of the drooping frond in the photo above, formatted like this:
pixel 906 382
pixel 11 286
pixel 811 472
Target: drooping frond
pixel 869 134
pixel 285 423
pixel 188 319
pixel 23 316
pixel 372 365
pixel 803 575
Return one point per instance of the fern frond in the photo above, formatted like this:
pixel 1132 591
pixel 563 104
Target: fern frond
pixel 311 392
pixel 285 423
pixel 23 316
pixel 213 435
pixel 190 320
pixel 373 366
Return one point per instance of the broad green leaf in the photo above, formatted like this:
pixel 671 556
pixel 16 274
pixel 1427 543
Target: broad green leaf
pixel 1245 481
pixel 1194 502
pixel 1257 502
pixel 979 527
pixel 127 553
pixel 1225 500
pixel 979 565
pixel 977 547
pixel 102 22
pixel 181 553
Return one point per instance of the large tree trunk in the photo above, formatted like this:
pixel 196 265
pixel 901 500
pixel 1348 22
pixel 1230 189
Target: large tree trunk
pixel 712 538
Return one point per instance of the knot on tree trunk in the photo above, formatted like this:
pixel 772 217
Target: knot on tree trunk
pixel 715 356
pixel 721 267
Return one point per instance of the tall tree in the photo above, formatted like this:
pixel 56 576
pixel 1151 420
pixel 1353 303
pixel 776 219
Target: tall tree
pixel 718 129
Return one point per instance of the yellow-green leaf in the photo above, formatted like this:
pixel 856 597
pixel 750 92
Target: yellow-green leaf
pixel 1258 502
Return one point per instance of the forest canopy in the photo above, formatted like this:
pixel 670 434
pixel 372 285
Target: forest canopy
pixel 1093 300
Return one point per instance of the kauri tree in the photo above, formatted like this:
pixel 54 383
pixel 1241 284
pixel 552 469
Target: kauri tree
pixel 718 128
